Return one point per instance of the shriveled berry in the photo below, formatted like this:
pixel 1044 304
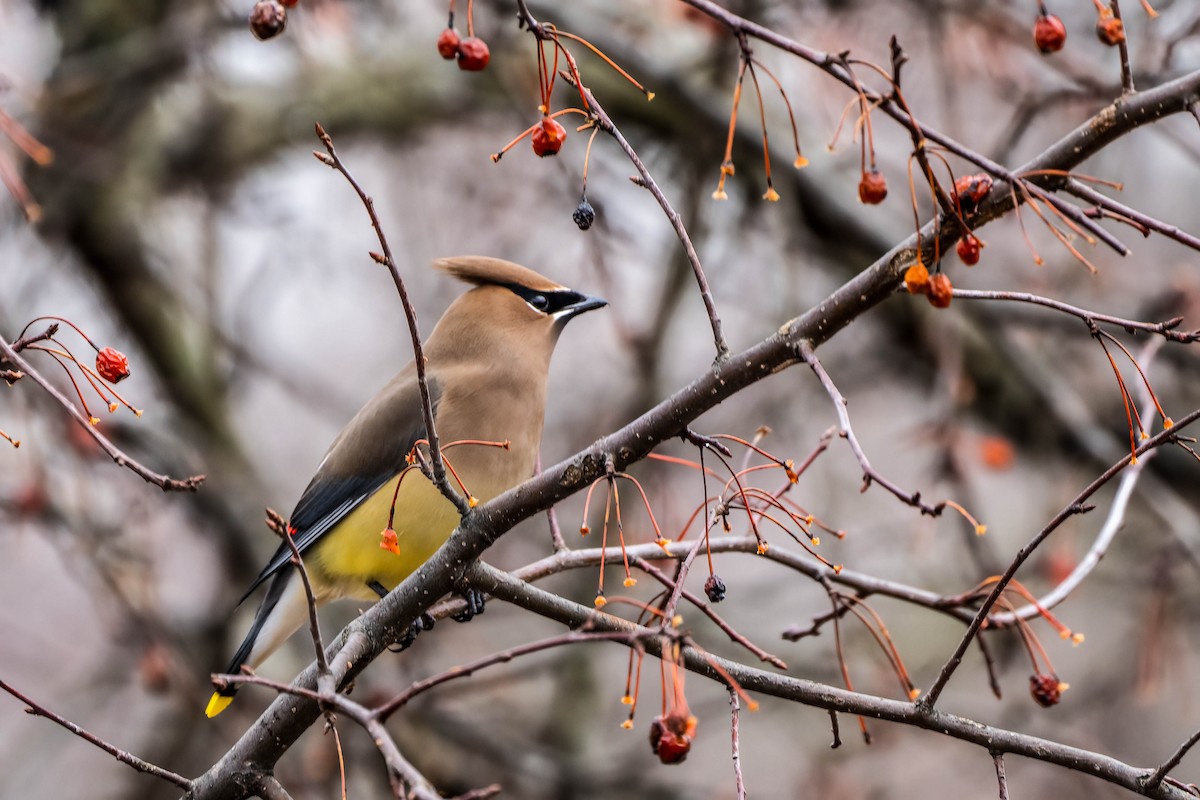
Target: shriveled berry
pixel 268 18
pixel 968 249
pixel 1046 689
pixel 971 191
pixel 714 587
pixel 916 279
pixel 872 189
pixel 1049 33
pixel 473 54
pixel 584 215
pixel 940 290
pixel 112 365
pixel 671 737
pixel 448 44
pixel 1110 30
pixel 548 137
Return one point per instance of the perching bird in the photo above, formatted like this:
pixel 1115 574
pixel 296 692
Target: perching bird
pixel 487 362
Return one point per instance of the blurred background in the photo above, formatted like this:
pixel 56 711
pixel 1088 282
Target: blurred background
pixel 184 221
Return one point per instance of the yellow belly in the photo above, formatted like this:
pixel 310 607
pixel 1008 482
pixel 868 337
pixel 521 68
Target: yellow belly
pixel 347 558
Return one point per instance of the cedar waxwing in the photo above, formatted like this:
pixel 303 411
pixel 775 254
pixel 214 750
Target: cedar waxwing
pixel 486 363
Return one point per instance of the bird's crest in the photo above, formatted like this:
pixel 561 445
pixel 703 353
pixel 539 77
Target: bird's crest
pixel 484 270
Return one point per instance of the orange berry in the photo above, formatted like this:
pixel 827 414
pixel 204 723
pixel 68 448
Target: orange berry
pixel 1110 30
pixel 916 279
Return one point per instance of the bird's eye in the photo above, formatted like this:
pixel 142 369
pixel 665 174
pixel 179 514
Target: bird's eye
pixel 539 302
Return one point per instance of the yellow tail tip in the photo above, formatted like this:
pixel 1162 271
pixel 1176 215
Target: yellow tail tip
pixel 216 704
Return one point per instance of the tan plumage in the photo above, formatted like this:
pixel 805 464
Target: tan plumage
pixel 487 362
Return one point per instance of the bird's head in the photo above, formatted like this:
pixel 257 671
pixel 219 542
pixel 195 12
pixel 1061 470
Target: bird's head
pixel 509 302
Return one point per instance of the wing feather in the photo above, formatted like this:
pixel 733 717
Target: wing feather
pixel 370 451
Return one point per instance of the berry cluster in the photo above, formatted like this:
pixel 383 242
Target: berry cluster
pixel 471 53
pixel 1050 34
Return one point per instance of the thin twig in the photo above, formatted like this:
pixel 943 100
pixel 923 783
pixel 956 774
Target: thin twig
pixel 556 537
pixel 927 701
pixel 870 475
pixel 735 749
pixel 437 465
pixel 1001 778
pixel 1123 49
pixel 1085 192
pixel 605 123
pixel 314 624
pixel 1165 329
pixel 1160 774
pixel 707 610
pixel 503 657
pixel 1104 538
pixel 120 755
pixel 122 459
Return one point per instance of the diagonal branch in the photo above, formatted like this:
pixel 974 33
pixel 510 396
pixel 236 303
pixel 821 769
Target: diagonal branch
pixel 165 482
pixel 1076 506
pixel 114 751
pixel 437 466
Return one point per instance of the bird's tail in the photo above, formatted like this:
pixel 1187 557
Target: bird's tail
pixel 283 610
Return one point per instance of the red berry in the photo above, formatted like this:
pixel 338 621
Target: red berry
pixel 112 365
pixel 968 250
pixel 872 189
pixel 473 54
pixel 548 137
pixel 448 43
pixel 940 290
pixel 671 737
pixel 1046 689
pixel 1110 30
pixel 1049 33
pixel 289 3
pixel 268 18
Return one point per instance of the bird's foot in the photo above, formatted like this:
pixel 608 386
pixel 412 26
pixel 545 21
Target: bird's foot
pixel 475 601
pixel 421 623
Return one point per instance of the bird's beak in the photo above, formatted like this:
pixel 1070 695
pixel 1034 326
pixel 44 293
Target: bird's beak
pixel 580 307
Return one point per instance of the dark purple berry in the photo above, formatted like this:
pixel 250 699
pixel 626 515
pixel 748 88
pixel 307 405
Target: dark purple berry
pixel 584 215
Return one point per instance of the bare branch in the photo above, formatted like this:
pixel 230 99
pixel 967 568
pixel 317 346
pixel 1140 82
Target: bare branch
pixel 437 467
pixel 1165 329
pixel 870 475
pixel 114 751
pixel 1168 436
pixel 735 748
pixel 1160 774
pixel 122 459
